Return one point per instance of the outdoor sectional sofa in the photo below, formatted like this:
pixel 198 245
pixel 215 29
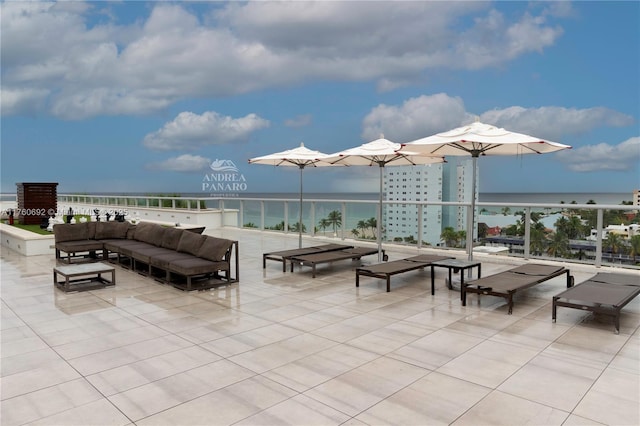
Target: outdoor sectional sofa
pixel 184 259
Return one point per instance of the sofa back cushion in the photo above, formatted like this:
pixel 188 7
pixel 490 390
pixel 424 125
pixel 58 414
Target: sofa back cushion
pixel 171 238
pixel 91 230
pixel 70 232
pixel 190 243
pixel 131 232
pixel 214 249
pixel 150 233
pixel 111 230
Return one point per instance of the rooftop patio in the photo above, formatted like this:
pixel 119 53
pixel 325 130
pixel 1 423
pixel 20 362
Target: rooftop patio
pixel 285 348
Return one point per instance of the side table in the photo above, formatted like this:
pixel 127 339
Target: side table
pixel 454 265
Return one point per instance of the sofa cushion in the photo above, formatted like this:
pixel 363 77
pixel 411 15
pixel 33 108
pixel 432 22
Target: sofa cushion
pixel 197 266
pixel 117 245
pixel 91 230
pixel 131 232
pixel 111 230
pixel 145 254
pixel 214 248
pixel 79 246
pixel 171 238
pixel 162 261
pixel 150 233
pixel 70 232
pixel 190 243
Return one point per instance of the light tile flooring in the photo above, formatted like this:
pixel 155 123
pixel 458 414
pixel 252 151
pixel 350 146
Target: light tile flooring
pixel 282 348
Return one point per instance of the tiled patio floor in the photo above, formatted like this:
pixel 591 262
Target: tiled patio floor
pixel 282 348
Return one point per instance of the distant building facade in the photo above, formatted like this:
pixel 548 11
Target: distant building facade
pixel 413 183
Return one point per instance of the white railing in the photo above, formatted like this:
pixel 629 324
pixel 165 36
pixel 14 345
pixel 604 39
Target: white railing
pixel 282 215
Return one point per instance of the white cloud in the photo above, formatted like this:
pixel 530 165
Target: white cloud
pixel 415 118
pixel 91 66
pixel 554 122
pixel 191 131
pixel 184 163
pixel 429 114
pixel 602 157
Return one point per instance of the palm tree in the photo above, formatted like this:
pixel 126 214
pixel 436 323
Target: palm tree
pixel 613 242
pixel 506 211
pixel 355 233
pixel 335 219
pixel 324 224
pixel 373 224
pixel 449 236
pixel 296 227
pixel 538 241
pixel 634 243
pixel 362 226
pixel 559 245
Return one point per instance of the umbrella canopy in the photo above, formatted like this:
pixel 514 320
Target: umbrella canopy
pixel 381 152
pixel 478 139
pixel 300 157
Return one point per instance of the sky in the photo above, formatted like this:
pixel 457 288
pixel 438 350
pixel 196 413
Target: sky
pixel 135 96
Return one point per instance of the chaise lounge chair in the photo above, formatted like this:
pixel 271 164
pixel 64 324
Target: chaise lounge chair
pixel 314 259
pixel 386 270
pixel 604 293
pixel 284 255
pixel 506 284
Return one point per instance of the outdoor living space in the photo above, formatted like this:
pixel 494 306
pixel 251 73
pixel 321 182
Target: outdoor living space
pixel 285 348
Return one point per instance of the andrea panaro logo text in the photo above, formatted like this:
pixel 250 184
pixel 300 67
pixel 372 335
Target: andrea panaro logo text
pixel 224 182
pixel 224 178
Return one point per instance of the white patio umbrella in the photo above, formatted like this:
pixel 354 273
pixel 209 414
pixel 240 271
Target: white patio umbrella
pixel 478 139
pixel 381 152
pixel 300 157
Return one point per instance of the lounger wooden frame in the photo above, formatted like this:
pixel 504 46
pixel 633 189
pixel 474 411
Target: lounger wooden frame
pixel 605 293
pixel 285 255
pixel 314 259
pixel 386 270
pixel 506 284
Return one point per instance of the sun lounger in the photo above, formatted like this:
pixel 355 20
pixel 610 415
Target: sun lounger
pixel 506 284
pixel 314 259
pixel 605 293
pixel 284 255
pixel 388 269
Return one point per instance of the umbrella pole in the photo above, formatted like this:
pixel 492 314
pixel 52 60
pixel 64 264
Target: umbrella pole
pixel 300 220
pixel 470 226
pixel 379 223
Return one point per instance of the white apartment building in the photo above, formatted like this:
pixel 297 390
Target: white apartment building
pixel 413 183
pixel 462 192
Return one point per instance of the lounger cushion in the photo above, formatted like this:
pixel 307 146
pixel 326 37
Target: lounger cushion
pixel 536 269
pixel 214 249
pixel 190 243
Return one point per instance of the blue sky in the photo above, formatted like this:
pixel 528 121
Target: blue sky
pixel 143 96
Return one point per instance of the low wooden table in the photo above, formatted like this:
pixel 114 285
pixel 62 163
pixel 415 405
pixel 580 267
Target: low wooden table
pixel 455 265
pixel 81 277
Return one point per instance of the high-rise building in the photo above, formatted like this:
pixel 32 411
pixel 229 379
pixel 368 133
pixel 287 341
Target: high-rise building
pixel 413 183
pixel 451 181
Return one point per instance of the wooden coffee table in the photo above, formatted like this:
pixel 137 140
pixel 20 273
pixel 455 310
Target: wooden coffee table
pixel 81 277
